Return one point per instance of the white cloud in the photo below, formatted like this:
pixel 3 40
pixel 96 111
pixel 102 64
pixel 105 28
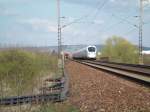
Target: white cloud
pixel 70 19
pixel 46 25
pixel 52 29
pixel 98 21
pixel 112 0
pixel 124 3
pixel 6 12
pixel 41 24
pixel 146 2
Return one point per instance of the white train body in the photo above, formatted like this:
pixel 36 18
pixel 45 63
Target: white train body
pixel 86 53
pixel 146 52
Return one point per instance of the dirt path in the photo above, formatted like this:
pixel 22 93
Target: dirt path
pixel 95 91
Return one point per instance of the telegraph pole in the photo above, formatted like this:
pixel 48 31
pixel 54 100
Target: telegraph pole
pixel 141 33
pixel 59 29
pixel 60 56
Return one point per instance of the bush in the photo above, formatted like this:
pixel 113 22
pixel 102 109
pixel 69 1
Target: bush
pixel 18 66
pixel 119 49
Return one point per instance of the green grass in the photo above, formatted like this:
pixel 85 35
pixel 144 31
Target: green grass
pixel 146 59
pixel 60 107
pixel 23 67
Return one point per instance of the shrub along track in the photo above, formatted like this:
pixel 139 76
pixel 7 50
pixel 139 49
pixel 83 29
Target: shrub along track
pixel 92 90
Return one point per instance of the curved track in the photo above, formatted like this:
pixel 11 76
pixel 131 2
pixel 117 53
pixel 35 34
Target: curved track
pixel 139 73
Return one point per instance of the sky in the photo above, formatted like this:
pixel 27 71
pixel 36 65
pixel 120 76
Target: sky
pixel 34 22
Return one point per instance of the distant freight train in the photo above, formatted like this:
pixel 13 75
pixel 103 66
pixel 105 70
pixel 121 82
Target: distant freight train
pixel 88 52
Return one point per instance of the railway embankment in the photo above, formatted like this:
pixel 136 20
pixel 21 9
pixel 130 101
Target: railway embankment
pixel 93 90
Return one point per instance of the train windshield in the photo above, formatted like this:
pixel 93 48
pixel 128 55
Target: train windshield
pixel 91 49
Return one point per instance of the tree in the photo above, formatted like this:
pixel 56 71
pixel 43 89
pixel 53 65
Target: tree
pixel 119 49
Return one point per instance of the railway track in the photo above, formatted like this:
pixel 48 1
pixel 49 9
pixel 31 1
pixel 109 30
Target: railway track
pixel 56 93
pixel 34 99
pixel 139 73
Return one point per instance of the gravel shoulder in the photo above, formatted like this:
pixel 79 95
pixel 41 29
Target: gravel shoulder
pixel 93 90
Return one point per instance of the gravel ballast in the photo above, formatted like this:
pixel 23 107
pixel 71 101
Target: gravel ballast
pixel 93 90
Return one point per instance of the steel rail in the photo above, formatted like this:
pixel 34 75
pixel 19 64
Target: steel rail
pixel 53 97
pixel 137 74
pixel 125 64
pixel 58 92
pixel 128 67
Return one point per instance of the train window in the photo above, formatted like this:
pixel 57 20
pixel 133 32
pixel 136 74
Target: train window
pixel 91 49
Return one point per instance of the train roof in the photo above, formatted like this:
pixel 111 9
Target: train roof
pixel 85 48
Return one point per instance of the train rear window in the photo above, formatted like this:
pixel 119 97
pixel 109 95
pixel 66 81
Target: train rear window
pixel 91 49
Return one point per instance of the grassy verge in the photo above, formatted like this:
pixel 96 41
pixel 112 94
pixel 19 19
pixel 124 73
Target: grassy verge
pixel 147 59
pixel 60 107
pixel 19 69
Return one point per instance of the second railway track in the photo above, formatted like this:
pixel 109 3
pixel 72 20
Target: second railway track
pixel 56 93
pixel 139 73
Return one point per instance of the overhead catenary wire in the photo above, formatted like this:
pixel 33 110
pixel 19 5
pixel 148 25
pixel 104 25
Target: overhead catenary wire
pixel 113 25
pixel 99 7
pixel 125 20
pixel 122 21
pixel 129 32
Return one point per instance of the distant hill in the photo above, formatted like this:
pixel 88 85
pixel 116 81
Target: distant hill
pixel 68 48
pixel 72 48
pixel 146 48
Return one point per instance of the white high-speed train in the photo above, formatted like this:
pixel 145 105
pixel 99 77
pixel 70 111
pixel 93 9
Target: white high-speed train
pixel 88 52
pixel 146 52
